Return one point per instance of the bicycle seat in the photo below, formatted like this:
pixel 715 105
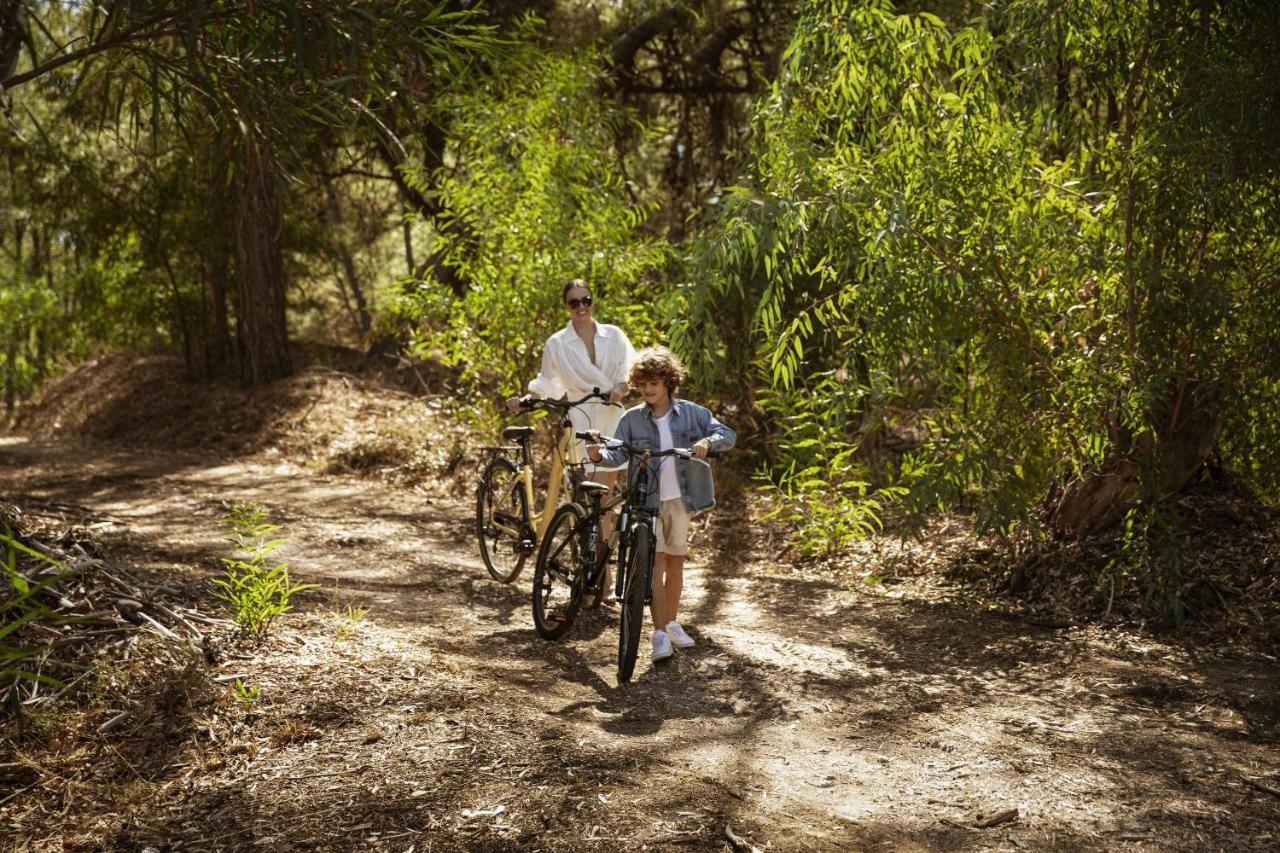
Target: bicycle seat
pixel 590 487
pixel 517 433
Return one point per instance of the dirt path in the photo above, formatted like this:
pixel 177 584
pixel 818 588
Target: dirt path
pixel 811 716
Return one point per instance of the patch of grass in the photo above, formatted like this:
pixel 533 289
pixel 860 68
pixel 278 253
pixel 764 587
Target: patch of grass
pixel 350 621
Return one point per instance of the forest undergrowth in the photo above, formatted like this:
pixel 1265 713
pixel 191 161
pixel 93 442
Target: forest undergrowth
pixel 398 421
pixel 356 725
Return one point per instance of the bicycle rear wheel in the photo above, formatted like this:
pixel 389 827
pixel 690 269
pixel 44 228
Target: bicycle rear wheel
pixel 635 586
pixel 557 575
pixel 501 516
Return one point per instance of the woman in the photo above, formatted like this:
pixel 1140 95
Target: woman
pixel 583 356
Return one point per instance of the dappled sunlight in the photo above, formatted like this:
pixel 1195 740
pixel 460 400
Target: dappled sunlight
pixel 411 693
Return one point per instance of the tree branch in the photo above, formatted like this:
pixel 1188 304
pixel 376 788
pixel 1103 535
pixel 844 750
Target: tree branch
pixel 143 31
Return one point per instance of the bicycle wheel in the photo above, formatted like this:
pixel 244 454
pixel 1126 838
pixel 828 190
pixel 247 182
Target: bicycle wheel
pixel 500 520
pixel 639 569
pixel 557 575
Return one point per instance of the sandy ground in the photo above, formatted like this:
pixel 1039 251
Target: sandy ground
pixel 811 715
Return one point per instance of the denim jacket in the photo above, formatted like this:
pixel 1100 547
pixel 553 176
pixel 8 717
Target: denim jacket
pixel 689 424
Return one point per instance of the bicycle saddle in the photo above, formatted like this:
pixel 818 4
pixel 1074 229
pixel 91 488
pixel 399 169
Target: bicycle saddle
pixel 590 486
pixel 517 433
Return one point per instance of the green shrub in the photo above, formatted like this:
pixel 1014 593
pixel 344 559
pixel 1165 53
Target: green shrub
pixel 20 664
pixel 255 591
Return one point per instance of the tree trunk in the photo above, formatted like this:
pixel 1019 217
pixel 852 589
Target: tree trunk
pixel 408 245
pixel 1157 467
pixel 261 330
pixel 13 29
pixel 217 333
pixel 363 321
pixel 180 316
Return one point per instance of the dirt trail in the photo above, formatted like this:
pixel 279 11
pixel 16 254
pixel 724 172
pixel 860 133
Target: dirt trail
pixel 811 716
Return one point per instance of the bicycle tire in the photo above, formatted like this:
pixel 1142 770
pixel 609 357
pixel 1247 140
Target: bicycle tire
pixel 503 555
pixel 639 569
pixel 557 574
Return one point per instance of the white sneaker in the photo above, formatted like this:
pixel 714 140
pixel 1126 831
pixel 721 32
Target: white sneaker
pixel 661 646
pixel 679 638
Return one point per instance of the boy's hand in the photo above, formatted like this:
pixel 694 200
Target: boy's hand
pixel 594 446
pixel 701 448
pixel 619 391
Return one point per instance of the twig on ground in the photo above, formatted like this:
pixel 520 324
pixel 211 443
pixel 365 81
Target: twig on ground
pixel 1261 786
pixel 113 723
pixel 738 842
pixel 996 819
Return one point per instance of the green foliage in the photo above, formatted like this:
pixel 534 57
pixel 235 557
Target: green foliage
pixel 255 591
pixel 246 694
pixel 121 165
pixel 816 477
pixel 349 622
pixel 1149 554
pixel 535 199
pixel 1062 281
pixel 20 605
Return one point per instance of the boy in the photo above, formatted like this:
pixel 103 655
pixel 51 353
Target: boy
pixel 679 488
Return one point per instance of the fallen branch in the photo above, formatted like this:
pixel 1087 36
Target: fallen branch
pixel 738 842
pixel 1261 786
pixel 996 819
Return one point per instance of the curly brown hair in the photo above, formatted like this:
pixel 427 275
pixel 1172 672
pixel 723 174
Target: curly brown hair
pixel 658 363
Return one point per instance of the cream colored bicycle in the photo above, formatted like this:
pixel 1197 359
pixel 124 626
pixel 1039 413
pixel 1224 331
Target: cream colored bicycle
pixel 507 527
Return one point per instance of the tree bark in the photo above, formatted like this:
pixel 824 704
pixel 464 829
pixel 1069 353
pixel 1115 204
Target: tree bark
pixel 13 28
pixel 261 331
pixel 217 332
pixel 1155 466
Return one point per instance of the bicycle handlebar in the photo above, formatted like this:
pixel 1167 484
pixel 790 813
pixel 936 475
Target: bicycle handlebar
pixel 528 403
pixel 681 452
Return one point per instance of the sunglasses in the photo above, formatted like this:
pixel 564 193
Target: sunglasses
pixel 575 304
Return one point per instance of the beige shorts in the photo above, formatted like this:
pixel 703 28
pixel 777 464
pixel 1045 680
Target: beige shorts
pixel 673 528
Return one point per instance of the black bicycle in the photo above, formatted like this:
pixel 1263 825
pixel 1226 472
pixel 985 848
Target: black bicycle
pixel 572 556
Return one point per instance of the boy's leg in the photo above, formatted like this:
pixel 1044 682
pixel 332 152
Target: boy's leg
pixel 658 604
pixel 673 586
pixel 668 564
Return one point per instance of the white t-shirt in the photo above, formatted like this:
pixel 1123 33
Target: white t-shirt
pixel 668 482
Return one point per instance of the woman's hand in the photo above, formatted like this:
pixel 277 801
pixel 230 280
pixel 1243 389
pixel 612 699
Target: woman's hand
pixel 513 404
pixel 700 449
pixel 619 391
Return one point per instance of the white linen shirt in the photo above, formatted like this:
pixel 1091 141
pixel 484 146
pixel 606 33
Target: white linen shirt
pixel 567 371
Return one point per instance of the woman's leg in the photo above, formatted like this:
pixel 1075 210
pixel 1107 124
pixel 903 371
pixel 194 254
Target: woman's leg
pixel 610 479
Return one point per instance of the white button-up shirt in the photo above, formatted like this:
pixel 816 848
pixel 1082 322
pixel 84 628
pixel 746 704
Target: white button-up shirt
pixel 567 370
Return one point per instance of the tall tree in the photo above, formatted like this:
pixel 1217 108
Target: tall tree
pixel 264 76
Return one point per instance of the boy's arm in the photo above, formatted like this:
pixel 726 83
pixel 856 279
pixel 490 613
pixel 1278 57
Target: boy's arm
pixel 612 457
pixel 718 437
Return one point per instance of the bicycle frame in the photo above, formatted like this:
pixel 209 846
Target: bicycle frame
pixel 538 521
pixel 634 511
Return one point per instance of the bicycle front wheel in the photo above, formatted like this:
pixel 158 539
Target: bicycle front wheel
pixel 501 520
pixel 635 586
pixel 557 575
